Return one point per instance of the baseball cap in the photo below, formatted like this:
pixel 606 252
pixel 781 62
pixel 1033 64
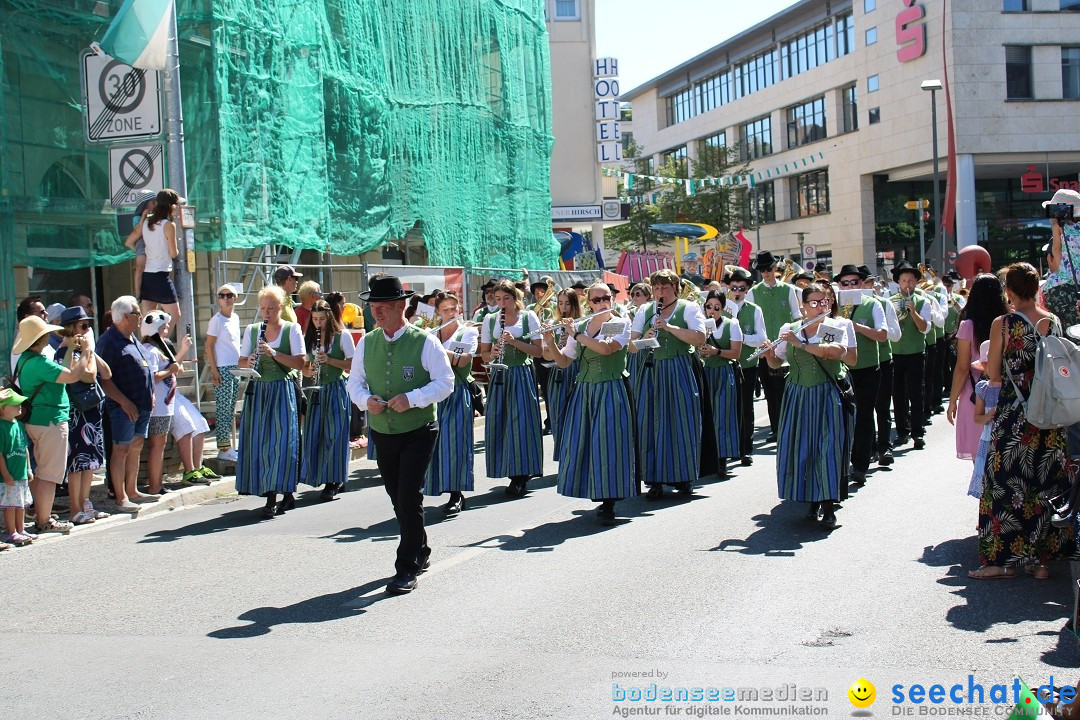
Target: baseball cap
pixel 284 272
pixel 52 313
pixel 10 397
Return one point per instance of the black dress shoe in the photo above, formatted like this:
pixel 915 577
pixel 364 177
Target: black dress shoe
pixel 771 438
pixel 858 477
pixel 605 517
pixel 685 488
pixel 516 488
pixel 455 506
pixel 655 492
pixel 286 503
pixel 746 461
pixel 402 584
pixel 902 439
pixel 919 443
pixel 268 512
pixel 885 458
pixel 813 511
pixel 328 492
pixel 424 564
pixel 721 468
pixel 828 519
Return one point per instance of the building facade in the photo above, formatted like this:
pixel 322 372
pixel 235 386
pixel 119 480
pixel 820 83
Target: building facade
pixel 841 83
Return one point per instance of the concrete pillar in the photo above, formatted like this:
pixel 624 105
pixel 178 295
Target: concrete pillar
pixel 966 229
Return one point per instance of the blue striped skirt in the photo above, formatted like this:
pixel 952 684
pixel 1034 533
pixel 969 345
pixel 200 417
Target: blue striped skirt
pixel 810 443
pixel 723 395
pixel 269 440
pixel 597 457
pixel 634 363
pixel 451 467
pixel 512 434
pixel 558 395
pixel 669 422
pixel 326 437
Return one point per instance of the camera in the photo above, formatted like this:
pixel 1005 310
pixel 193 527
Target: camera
pixel 1062 212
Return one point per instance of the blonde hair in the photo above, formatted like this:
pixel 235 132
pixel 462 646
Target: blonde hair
pixel 309 287
pixel 274 291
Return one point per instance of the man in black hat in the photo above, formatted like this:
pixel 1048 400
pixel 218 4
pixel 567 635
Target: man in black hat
pixel 580 287
pixel 883 403
pixel 868 319
pixel 489 307
pixel 752 324
pixel 399 374
pixel 909 356
pixel 287 277
pixel 779 303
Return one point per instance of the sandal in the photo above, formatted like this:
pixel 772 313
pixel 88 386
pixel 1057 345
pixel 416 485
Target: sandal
pixel 1038 571
pixel 992 572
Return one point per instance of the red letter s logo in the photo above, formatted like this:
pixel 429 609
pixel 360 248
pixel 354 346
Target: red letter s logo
pixel 910 32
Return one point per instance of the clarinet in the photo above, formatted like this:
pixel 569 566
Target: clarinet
pixel 497 377
pixel 317 368
pixel 649 360
pixel 250 389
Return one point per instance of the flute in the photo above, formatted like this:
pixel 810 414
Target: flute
pixel 776 343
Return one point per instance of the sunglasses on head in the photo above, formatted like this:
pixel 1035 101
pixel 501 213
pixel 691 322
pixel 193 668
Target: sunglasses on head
pixel 226 296
pixel 600 299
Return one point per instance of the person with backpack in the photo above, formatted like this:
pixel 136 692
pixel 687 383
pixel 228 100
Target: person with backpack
pixel 1026 465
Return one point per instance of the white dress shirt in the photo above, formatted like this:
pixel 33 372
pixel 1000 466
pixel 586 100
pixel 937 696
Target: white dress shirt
pixel 734 334
pixel 433 359
pixel 621 338
pixel 829 330
pixel 892 322
pixel 759 336
pixel 470 337
pixel 693 316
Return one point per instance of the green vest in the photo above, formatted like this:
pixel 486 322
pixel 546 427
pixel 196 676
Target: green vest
pixel 393 368
pixel 884 347
pixel 597 368
pixel 746 324
pixel 512 357
pixel 483 313
pixel 869 355
pixel 724 343
pixel 775 306
pixel 952 318
pixel 462 373
pixel 271 370
pixel 807 371
pixel 912 342
pixel 329 374
pixel 670 346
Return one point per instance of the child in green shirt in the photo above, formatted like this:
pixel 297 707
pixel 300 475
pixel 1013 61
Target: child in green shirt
pixel 14 469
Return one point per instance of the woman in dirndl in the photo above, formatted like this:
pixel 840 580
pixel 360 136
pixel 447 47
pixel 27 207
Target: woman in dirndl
pixel 810 444
pixel 597 458
pixel 640 295
pixel 451 467
pixel 326 422
pixel 512 434
pixel 667 399
pixel 560 381
pixel 720 357
pixel 268 457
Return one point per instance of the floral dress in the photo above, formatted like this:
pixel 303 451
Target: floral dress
pixel 1025 467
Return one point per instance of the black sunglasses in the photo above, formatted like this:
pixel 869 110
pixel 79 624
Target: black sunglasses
pixel 713 307
pixel 226 296
pixel 850 283
pixel 737 288
pixel 598 300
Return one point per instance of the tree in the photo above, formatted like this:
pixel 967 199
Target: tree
pixel 635 233
pixel 722 206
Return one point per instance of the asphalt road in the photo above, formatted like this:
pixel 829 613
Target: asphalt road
pixel 530 610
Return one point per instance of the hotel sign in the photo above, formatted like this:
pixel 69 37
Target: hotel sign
pixel 606 93
pixel 576 212
pixel 910 31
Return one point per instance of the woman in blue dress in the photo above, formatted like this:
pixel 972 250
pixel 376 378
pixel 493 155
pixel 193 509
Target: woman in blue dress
pixel 451 467
pixel 560 381
pixel 326 422
pixel 268 457
pixel 720 358
pixel 640 295
pixel 512 433
pixel 597 458
pixel 810 444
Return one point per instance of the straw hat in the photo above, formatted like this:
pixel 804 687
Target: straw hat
pixel 30 331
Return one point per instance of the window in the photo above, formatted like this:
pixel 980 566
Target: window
pixel 810 193
pixel 713 91
pixel 875 115
pixel 1018 72
pixel 869 5
pixel 872 84
pixel 851 109
pixel 807 51
pixel 871 36
pixel 756 138
pixel 680 106
pixel 806 122
pixel 1015 6
pixel 567 10
pixel 755 74
pixel 1070 5
pixel 845 35
pixel 627 138
pixel 1070 73
pixel 765 211
pixel 678 155
pixel 718 140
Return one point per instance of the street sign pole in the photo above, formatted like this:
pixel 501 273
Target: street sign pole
pixel 922 238
pixel 174 134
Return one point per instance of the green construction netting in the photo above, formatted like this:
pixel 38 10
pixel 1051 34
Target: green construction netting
pixel 326 124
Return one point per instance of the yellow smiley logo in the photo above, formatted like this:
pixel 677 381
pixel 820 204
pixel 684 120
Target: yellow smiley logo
pixel 862 693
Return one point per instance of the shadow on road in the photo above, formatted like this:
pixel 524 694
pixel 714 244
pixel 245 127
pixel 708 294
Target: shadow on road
pixel 324 608
pixel 497 495
pixel 544 538
pixel 221 523
pixel 783 531
pixel 991 606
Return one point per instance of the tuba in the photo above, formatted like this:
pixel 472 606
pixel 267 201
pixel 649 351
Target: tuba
pixel 688 291
pixel 789 271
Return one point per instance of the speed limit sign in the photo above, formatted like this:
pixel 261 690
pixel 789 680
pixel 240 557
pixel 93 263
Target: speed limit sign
pixel 119 102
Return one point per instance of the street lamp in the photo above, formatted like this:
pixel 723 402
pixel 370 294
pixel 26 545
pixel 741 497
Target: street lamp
pixel 933 86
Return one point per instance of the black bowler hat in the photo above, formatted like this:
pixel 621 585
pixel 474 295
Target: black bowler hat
pixel 738 274
pixel 614 290
pixel 850 270
pixel 904 267
pixel 802 276
pixel 579 285
pixel 538 284
pixel 865 270
pixel 385 289
pixel 764 261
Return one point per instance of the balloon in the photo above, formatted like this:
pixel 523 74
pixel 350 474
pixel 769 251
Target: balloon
pixel 972 260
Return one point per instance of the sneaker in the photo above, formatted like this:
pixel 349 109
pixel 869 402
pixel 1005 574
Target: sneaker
pixel 208 473
pixel 194 477
pixel 227 455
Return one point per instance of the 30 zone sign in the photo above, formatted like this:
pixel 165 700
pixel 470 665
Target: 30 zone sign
pixel 121 102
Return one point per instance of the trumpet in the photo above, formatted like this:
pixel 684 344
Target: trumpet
pixel 776 343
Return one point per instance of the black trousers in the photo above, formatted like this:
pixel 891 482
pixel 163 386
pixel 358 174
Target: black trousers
pixel 866 383
pixel 403 460
pixel 941 350
pixel 542 374
pixel 772 382
pixel 908 393
pixel 883 406
pixel 746 410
